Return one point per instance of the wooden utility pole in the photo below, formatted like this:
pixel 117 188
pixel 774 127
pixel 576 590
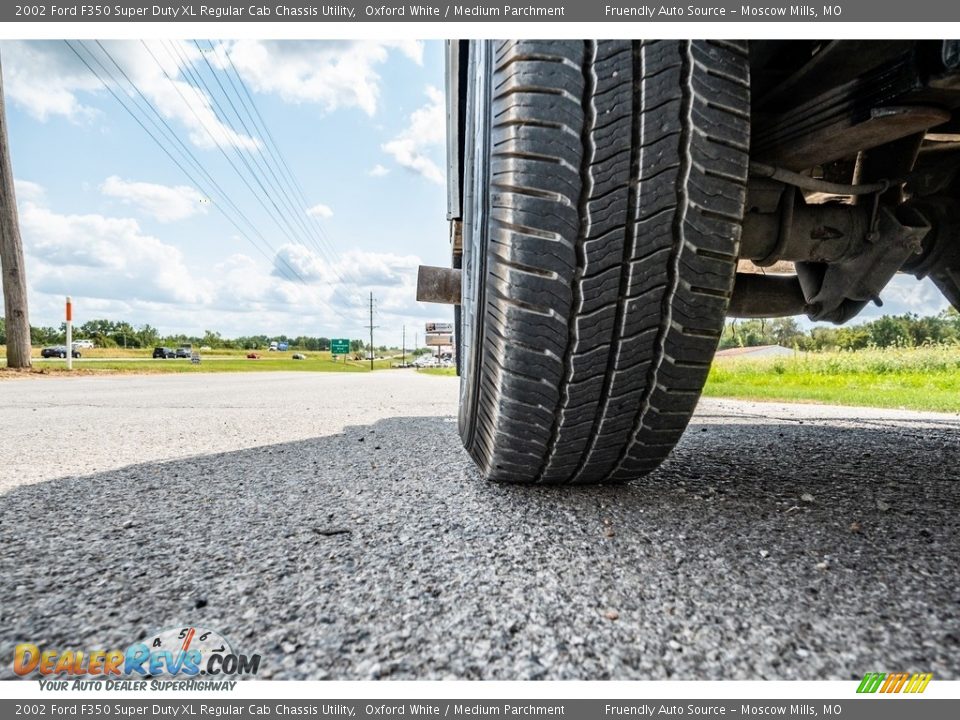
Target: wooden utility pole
pixel 371 326
pixel 11 257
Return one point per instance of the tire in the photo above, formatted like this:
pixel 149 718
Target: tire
pixel 604 193
pixel 63 356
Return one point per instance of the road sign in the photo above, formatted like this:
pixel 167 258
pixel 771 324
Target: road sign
pixel 339 346
pixel 439 340
pixel 439 327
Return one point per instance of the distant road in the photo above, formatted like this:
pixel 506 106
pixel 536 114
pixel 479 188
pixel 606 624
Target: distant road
pixel 332 523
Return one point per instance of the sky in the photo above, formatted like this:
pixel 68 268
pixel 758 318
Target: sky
pixel 311 174
pixel 280 226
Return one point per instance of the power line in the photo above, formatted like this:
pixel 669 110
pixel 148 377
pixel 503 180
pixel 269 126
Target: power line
pixel 163 146
pixel 186 151
pixel 225 119
pixel 274 149
pixel 200 120
pixel 264 163
pixel 167 132
pixel 284 178
pixel 280 217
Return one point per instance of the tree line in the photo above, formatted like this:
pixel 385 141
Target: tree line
pixel 112 334
pixel 909 330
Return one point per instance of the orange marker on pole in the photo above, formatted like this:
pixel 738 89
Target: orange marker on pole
pixel 69 333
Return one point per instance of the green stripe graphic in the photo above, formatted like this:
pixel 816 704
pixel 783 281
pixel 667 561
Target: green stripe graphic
pixel 871 682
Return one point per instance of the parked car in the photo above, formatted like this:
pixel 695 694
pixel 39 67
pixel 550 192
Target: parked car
pixel 58 351
pixel 183 352
pixel 164 353
pixel 299 356
pixel 252 356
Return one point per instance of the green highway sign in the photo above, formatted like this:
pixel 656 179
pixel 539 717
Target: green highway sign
pixel 339 346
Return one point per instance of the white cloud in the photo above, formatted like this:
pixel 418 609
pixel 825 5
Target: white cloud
pixel 352 269
pixel 162 202
pixel 161 69
pixel 114 269
pixel 28 190
pixel 378 170
pixel 320 210
pixel 46 79
pixel 103 257
pixel 332 74
pixel 425 130
pixel 244 297
pixel 295 262
pixel 904 293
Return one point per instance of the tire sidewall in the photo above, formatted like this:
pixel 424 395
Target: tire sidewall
pixel 475 208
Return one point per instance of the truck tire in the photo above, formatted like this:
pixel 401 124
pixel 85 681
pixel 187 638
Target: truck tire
pixel 603 197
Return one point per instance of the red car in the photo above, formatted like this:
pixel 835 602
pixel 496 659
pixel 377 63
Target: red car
pixel 252 356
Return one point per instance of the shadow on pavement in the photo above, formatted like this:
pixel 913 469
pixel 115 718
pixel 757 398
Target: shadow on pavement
pixel 780 551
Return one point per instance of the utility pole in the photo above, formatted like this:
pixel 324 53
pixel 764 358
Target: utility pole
pixel 371 326
pixel 403 347
pixel 11 257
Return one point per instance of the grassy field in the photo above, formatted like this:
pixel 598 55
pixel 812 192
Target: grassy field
pixel 119 360
pixel 926 378
pixel 438 371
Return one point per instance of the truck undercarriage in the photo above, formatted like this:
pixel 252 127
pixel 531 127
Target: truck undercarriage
pixel 612 201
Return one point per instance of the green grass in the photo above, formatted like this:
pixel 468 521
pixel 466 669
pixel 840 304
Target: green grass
pixel 926 378
pixel 210 363
pixel 438 371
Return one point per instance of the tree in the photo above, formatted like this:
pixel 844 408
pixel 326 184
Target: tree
pixel 100 331
pixel 147 336
pixel 125 335
pixel 14 276
pixel 889 331
pixel 46 336
pixel 855 337
pixel 211 339
pixel 786 332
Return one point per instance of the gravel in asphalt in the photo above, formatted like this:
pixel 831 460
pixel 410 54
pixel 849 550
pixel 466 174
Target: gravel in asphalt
pixel 333 524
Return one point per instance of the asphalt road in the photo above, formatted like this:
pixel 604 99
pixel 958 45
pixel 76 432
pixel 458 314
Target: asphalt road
pixel 332 523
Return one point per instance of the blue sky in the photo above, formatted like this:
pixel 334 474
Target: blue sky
pixel 108 217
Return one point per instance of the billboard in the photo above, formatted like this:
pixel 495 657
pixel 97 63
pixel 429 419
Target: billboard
pixel 439 327
pixel 437 339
